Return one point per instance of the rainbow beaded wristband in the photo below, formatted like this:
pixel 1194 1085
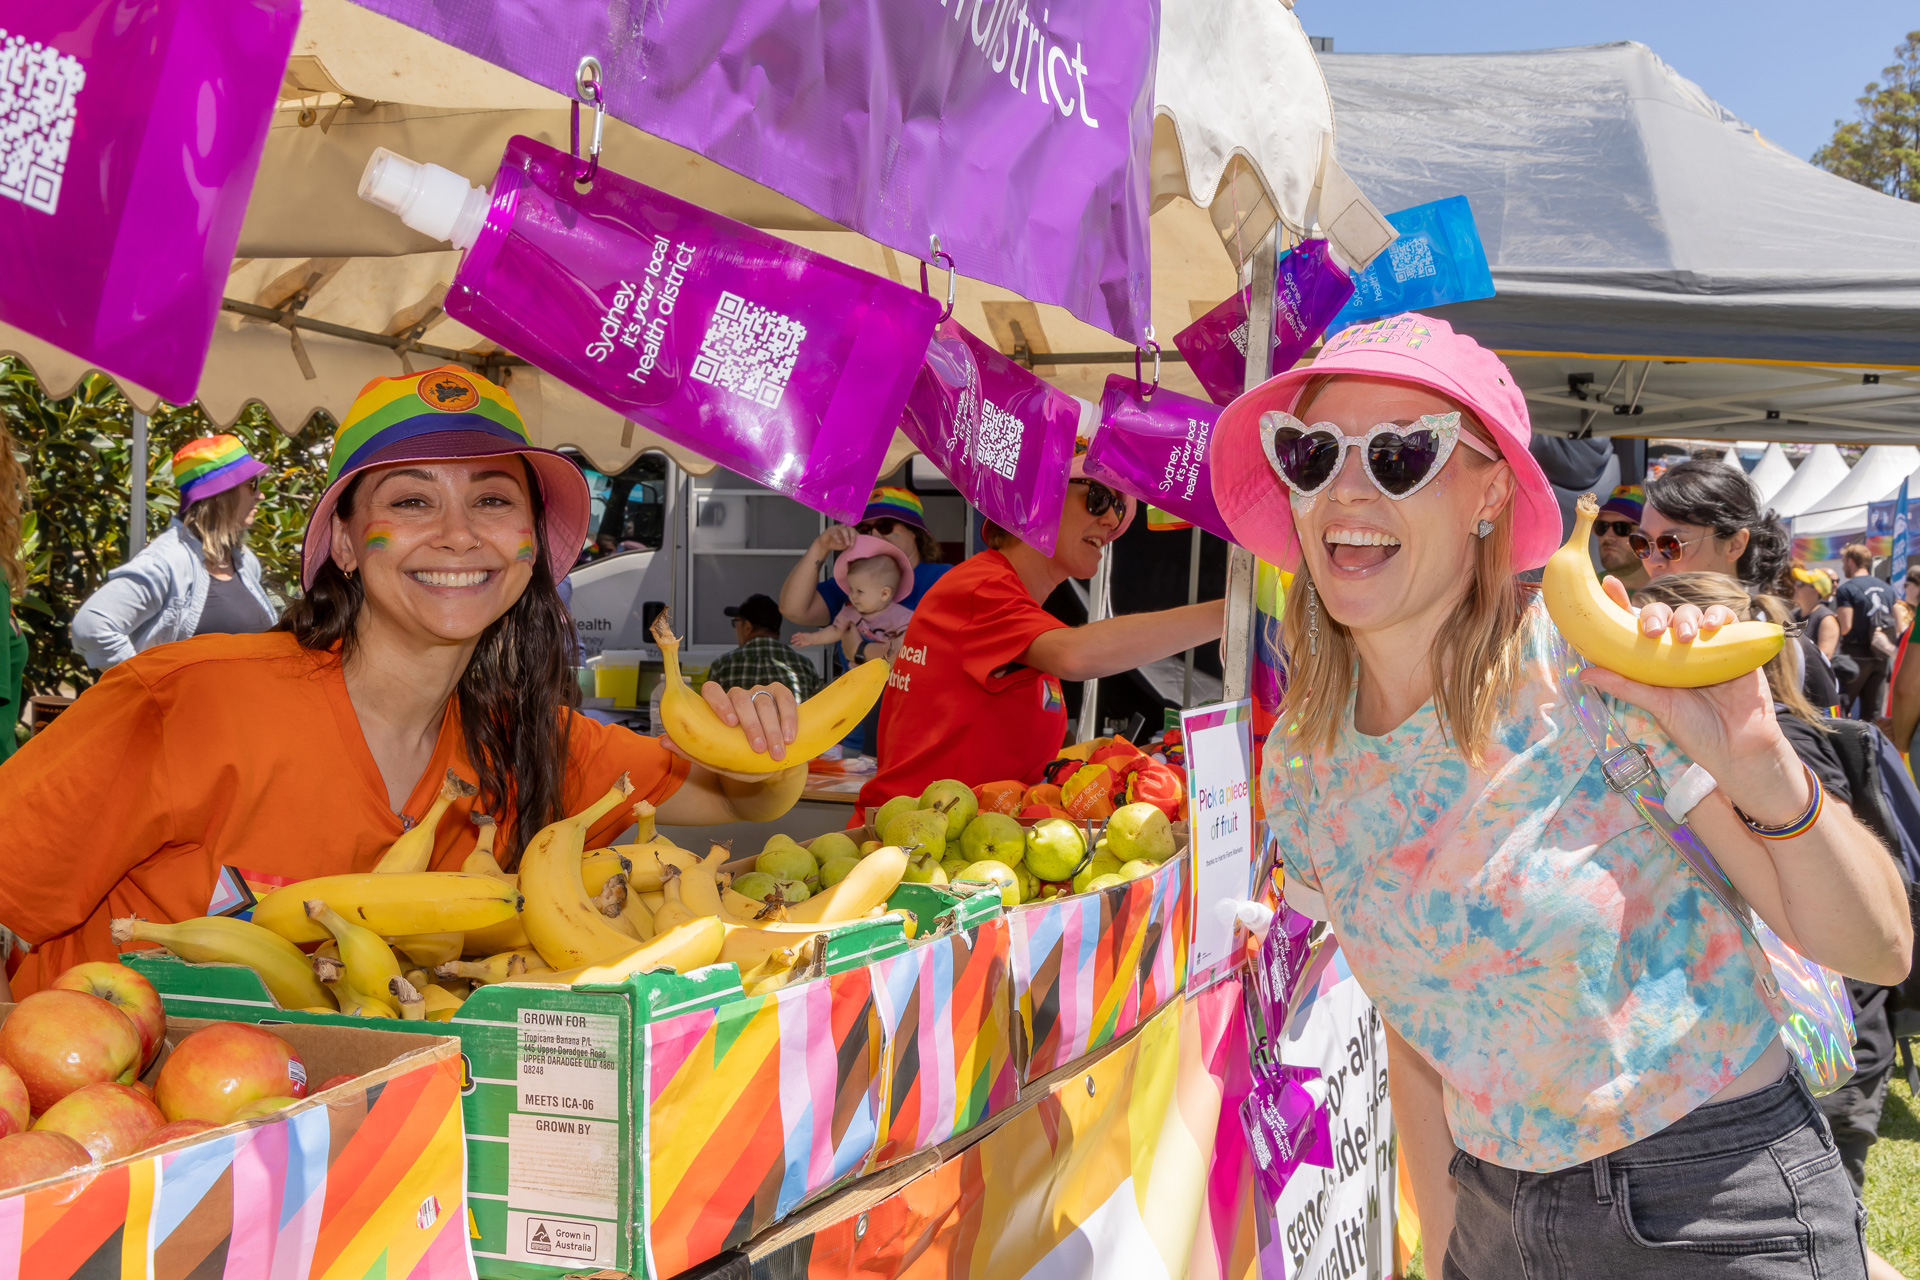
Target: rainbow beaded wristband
pixel 1800 824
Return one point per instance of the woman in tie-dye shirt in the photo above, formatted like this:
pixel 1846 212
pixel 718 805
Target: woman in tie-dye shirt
pixel 1583 1056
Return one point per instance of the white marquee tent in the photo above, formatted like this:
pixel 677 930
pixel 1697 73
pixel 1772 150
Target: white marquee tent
pixel 1823 469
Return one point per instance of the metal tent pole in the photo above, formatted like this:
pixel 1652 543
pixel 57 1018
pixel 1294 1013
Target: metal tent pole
pixel 137 513
pixel 1236 642
pixel 1193 597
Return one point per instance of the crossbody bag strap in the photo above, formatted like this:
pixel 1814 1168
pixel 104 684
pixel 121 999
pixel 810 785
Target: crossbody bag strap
pixel 1630 772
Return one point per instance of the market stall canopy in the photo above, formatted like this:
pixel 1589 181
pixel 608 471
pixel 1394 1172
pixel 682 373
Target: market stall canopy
pixel 1843 507
pixel 1771 472
pixel 1823 469
pixel 1661 268
pixel 1240 128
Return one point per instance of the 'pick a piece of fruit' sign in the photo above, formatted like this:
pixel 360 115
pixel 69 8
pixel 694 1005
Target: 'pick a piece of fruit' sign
pixel 1219 750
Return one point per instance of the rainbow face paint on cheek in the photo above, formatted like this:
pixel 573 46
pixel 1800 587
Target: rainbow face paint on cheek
pixel 379 536
pixel 525 549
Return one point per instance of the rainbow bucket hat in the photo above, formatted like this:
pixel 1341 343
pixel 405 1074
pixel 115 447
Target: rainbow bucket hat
pixel 213 464
pixel 436 416
pixel 890 503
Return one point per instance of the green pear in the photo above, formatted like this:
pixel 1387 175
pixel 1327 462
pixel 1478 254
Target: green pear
pixel 990 872
pixel 1054 849
pixel 868 846
pixel 953 864
pixel 784 860
pixel 1137 868
pixel 956 799
pixel 924 869
pixel 994 837
pixel 923 827
pixel 1104 882
pixel 834 844
pixel 756 884
pixel 1103 864
pixel 1140 831
pixel 892 809
pixel 835 869
pixel 795 892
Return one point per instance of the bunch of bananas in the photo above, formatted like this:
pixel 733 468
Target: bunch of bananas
pixel 404 942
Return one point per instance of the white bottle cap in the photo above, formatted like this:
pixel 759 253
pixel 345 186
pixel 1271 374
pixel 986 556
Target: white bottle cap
pixel 434 201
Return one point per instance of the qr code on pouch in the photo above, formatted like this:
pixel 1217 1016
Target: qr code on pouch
pixel 38 85
pixel 1412 258
pixel 749 350
pixel 997 447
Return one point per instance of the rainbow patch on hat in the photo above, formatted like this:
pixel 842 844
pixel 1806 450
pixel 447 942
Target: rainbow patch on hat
pixel 900 504
pixel 391 410
pixel 201 464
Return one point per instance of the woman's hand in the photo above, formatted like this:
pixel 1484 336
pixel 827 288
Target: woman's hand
pixel 835 537
pixel 1727 729
pixel 767 713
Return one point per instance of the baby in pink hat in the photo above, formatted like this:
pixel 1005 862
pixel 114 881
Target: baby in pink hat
pixel 872 572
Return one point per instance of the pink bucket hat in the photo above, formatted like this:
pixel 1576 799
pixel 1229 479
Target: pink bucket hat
pixel 1406 348
pixel 865 547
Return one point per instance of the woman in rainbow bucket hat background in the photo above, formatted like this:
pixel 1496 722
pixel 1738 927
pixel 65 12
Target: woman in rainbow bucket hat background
pixel 1583 1042
pixel 197 578
pixel 430 638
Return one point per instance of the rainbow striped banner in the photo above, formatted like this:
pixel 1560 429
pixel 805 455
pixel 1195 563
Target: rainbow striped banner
pixel 1824 548
pixel 374 1187
pixel 753 1108
pixel 947 1025
pixel 1091 967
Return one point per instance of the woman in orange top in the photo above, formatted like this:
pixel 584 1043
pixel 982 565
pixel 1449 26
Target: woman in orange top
pixel 201 773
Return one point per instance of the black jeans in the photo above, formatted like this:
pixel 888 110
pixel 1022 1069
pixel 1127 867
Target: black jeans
pixel 1752 1187
pixel 1869 687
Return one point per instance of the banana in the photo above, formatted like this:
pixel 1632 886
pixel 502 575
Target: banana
pixel 870 882
pixel 699 889
pixel 693 945
pixel 352 1001
pixel 441 1003
pixel 481 861
pixel 391 904
pixel 508 935
pixel 429 949
pixel 369 961
pixel 825 718
pixel 674 912
pixel 612 896
pixel 224 940
pixel 562 922
pixel 654 898
pixel 636 919
pixel 413 851
pixel 413 1005
pixel 600 865
pixel 1608 636
pixel 498 968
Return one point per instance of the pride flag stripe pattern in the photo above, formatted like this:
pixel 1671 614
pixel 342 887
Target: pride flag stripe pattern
pixel 390 410
pixel 208 459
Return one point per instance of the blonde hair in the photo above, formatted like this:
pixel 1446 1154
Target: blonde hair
pixel 1474 675
pixel 13 503
pixel 1786 670
pixel 220 522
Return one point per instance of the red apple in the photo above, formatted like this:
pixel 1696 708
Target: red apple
pixel 15 1111
pixel 331 1081
pixel 29 1157
pixel 109 1120
pixel 175 1130
pixel 220 1068
pixel 143 1087
pixel 126 991
pixel 61 1040
pixel 262 1107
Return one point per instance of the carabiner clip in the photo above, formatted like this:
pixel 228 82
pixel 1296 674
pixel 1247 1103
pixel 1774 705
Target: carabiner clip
pixel 940 258
pixel 586 83
pixel 1137 380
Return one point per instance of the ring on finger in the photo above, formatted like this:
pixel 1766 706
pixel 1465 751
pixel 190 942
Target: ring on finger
pixel 762 693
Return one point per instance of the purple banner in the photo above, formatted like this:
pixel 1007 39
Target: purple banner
pixel 1017 132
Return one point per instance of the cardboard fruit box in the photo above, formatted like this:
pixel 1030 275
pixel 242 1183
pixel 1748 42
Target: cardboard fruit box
pixel 369 1173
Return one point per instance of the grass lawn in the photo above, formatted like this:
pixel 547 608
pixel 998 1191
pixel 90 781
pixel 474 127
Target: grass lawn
pixel 1893 1184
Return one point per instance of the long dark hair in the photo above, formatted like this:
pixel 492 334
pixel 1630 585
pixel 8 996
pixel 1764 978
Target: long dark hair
pixel 1712 495
pixel 513 696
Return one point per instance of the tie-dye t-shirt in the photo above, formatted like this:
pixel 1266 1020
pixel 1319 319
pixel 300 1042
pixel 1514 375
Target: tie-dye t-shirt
pixel 1574 984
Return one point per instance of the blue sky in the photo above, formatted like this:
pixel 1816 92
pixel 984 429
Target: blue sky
pixel 1790 70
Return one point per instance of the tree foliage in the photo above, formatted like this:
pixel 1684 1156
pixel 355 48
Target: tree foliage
pixel 79 461
pixel 1881 149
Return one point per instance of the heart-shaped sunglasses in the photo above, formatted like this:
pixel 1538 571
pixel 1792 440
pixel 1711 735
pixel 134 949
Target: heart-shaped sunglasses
pixel 1399 458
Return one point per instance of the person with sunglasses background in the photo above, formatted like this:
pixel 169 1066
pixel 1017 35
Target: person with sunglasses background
pixel 808 599
pixel 1584 1060
pixel 1703 517
pixel 1613 532
pixel 975 689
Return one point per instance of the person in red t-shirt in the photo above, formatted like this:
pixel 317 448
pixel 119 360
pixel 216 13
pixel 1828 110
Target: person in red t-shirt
pixel 975 689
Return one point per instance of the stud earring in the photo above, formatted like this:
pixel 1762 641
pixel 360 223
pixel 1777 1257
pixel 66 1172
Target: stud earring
pixel 1482 529
pixel 1313 619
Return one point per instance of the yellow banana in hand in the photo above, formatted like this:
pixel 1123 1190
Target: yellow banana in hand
pixel 369 961
pixel 413 851
pixel 392 905
pixel 223 940
pixel 825 718
pixel 562 922
pixel 1608 636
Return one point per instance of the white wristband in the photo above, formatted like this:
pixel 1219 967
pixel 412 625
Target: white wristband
pixel 1692 787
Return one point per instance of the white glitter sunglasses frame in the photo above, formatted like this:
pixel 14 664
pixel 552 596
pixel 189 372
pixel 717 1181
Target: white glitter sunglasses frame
pixel 1444 425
